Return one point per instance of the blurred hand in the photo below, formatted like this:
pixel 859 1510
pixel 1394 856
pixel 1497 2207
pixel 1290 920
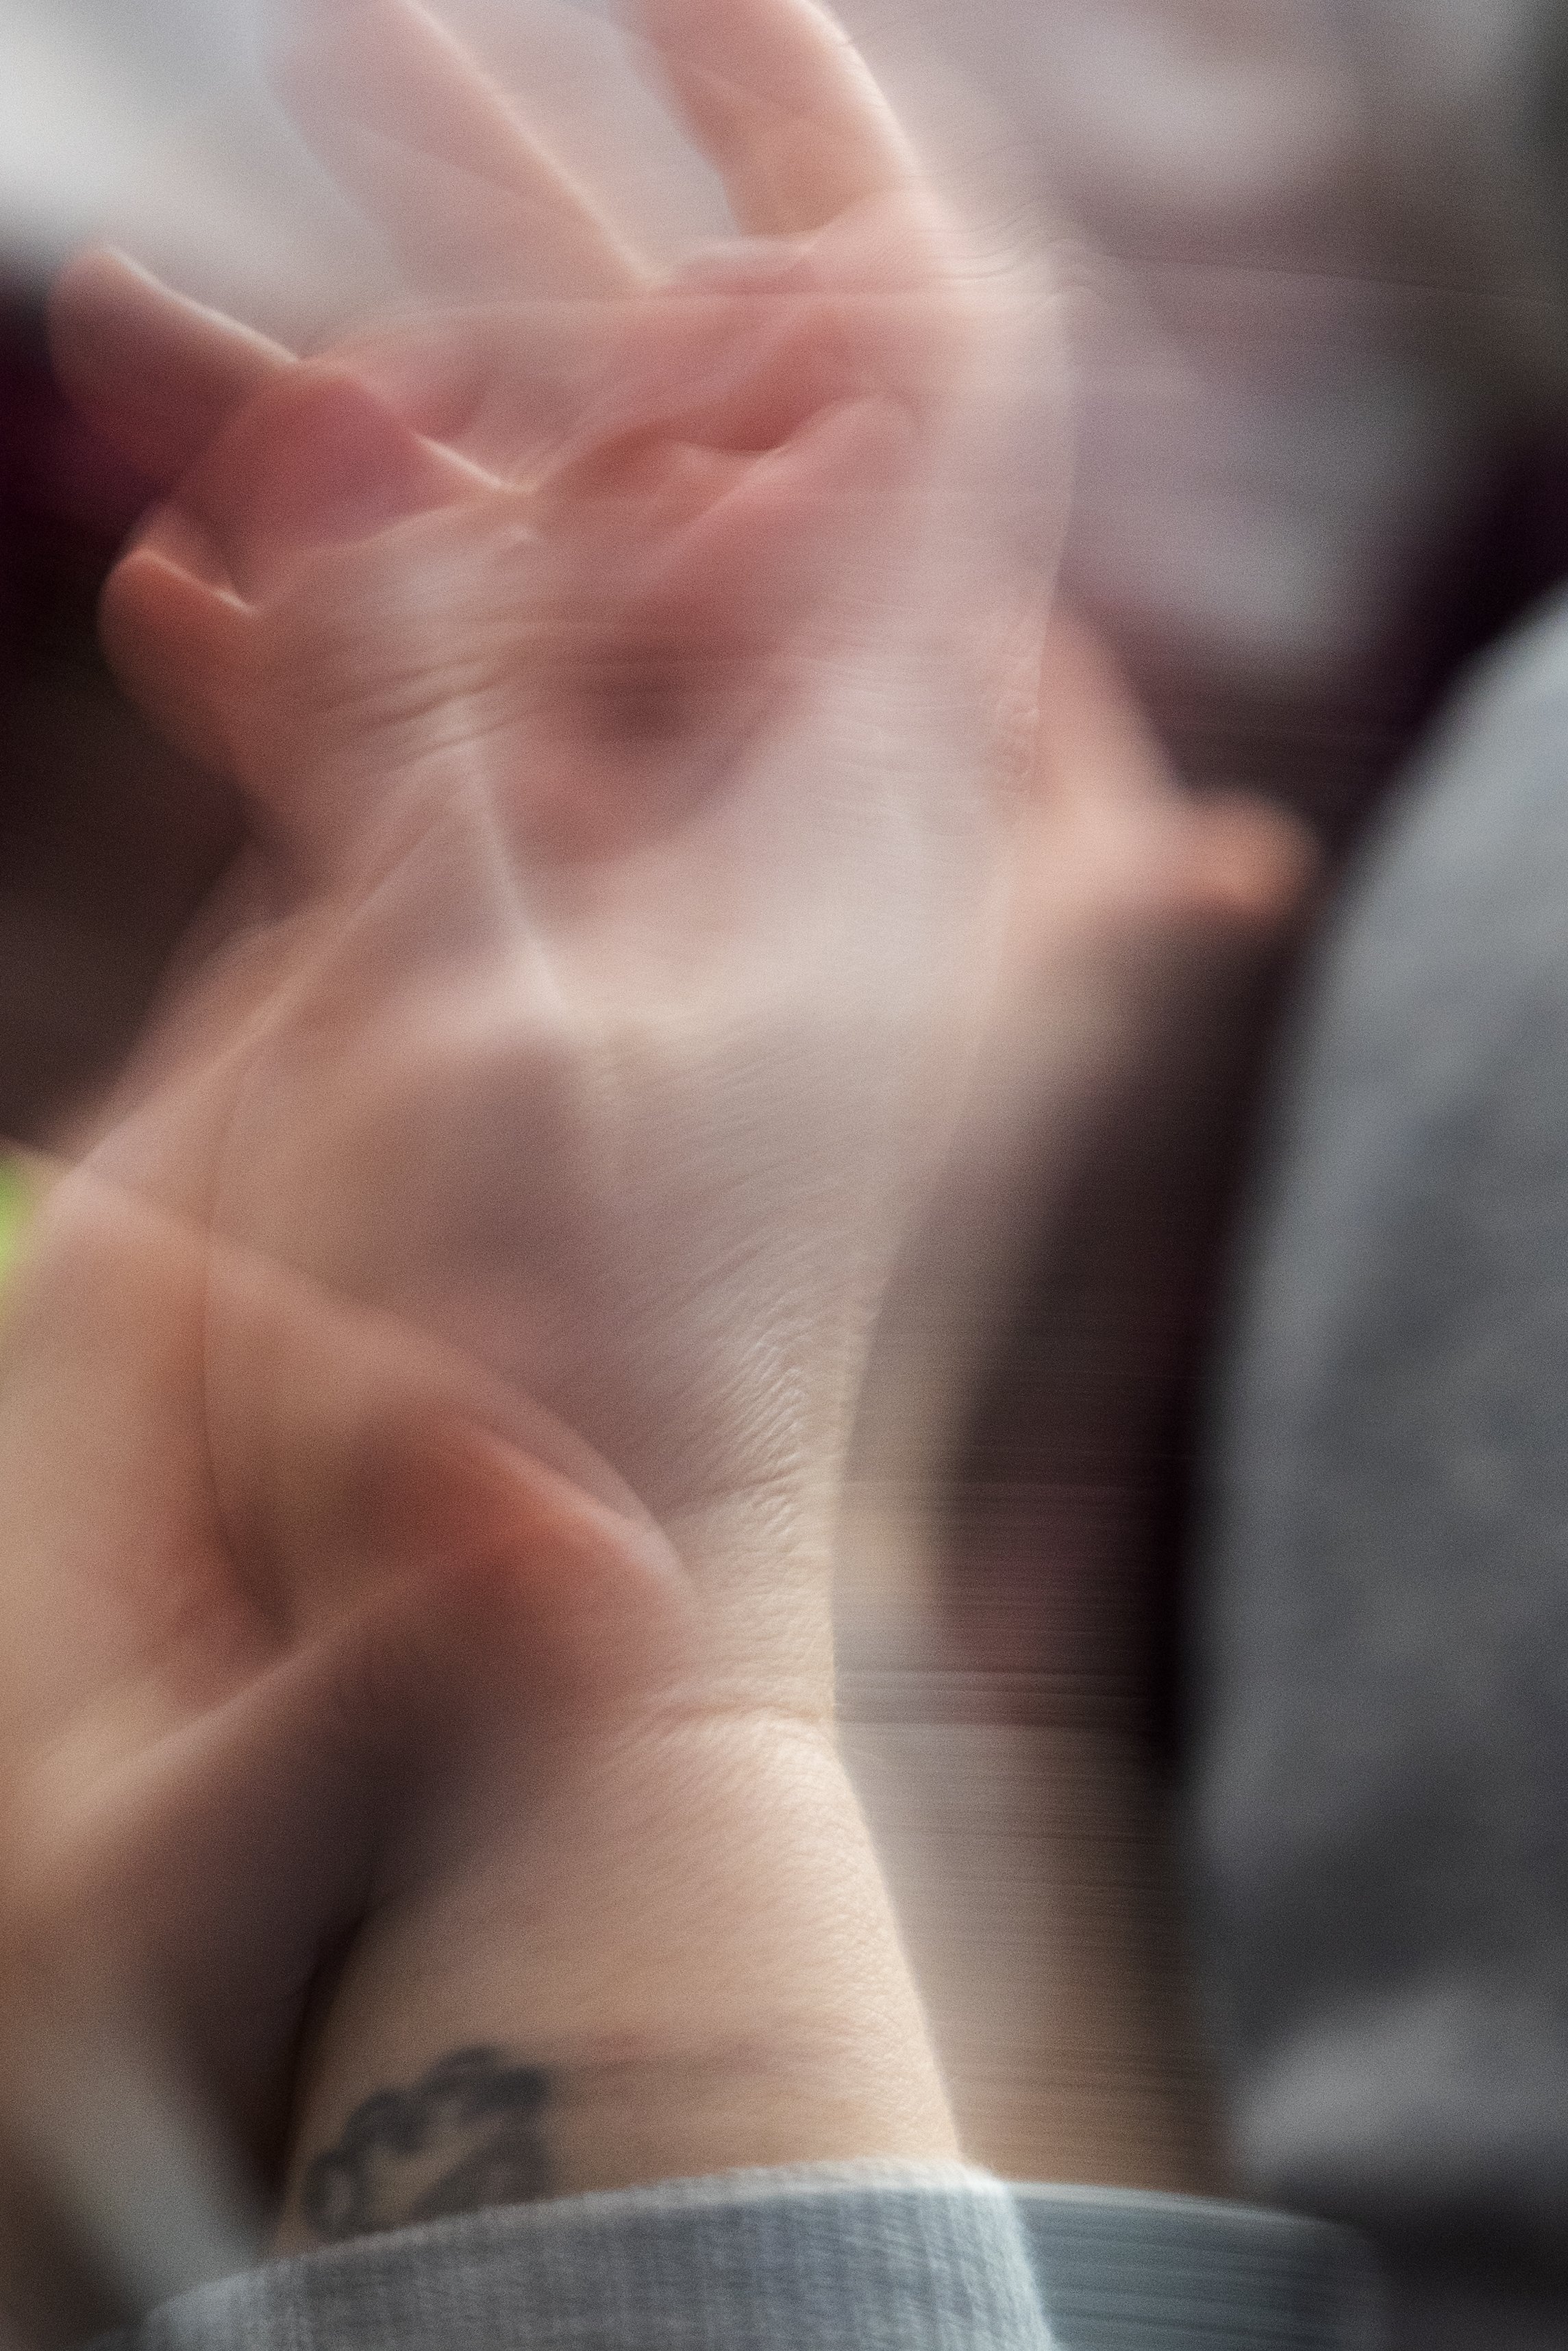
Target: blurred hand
pixel 632 702
pixel 629 774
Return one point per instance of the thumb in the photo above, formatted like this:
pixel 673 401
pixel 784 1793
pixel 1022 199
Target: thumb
pixel 160 1935
pixel 177 642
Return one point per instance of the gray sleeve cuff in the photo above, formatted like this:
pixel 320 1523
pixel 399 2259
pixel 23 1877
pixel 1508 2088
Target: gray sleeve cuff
pixel 1119 2270
pixel 858 2257
pixel 854 2257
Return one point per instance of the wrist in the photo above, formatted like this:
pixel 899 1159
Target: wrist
pixel 679 1959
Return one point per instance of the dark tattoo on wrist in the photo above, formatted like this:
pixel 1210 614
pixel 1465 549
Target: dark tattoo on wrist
pixel 466 2135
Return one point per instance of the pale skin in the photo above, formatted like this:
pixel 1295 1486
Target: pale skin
pixel 635 713
pixel 546 1070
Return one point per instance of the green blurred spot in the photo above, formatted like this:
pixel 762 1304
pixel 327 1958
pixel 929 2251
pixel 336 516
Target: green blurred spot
pixel 16 1207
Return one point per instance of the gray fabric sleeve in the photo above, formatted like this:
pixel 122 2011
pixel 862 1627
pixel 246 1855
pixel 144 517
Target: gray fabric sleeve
pixel 859 2257
pixel 1385 1837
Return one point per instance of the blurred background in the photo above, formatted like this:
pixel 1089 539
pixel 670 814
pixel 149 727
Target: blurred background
pixel 1310 258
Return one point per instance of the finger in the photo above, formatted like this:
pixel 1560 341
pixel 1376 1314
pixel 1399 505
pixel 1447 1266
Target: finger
pixel 730 373
pixel 176 643
pixel 1095 748
pixel 316 460
pixel 503 383
pixel 1253 861
pixel 793 523
pixel 1114 845
pixel 471 199
pixel 784 105
pixel 571 1601
pixel 157 375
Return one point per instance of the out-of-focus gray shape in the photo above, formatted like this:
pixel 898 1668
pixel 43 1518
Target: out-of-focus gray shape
pixel 147 124
pixel 1387 1700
